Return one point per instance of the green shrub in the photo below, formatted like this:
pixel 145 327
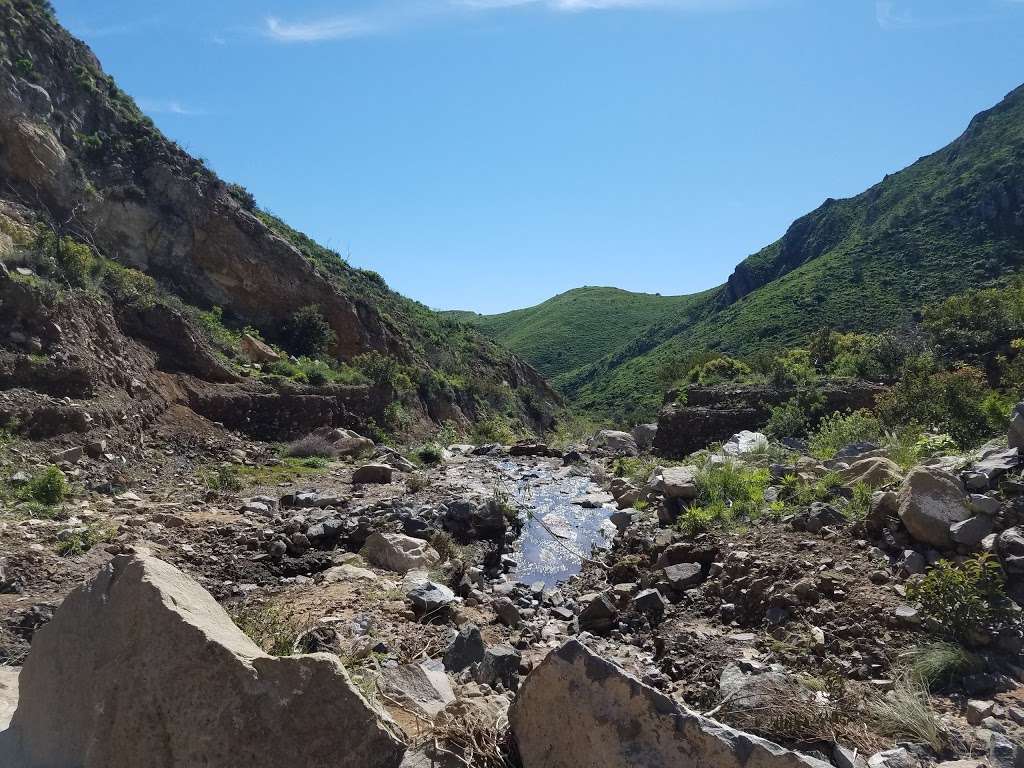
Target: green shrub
pixel 636 469
pixel 839 430
pixel 726 494
pixel 430 454
pixel 718 370
pixel 275 630
pixel 860 502
pixel 787 420
pixel 49 488
pixel 967 600
pixel 225 478
pixel 494 429
pixel 79 541
pixel 384 370
pixel 24 66
pixel 307 333
pixel 951 401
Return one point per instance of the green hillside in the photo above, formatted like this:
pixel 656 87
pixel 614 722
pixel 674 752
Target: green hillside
pixel 952 220
pixel 577 327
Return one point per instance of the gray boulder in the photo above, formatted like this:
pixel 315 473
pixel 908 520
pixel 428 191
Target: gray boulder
pixel 995 462
pixel 675 482
pixel 644 434
pixel 466 649
pixel 428 597
pixel 422 687
pixel 400 553
pixel 578 709
pixel 744 442
pixel 930 501
pixel 373 473
pixel 141 666
pixel 612 441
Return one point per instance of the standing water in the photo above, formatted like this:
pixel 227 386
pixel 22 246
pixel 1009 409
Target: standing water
pixel 550 552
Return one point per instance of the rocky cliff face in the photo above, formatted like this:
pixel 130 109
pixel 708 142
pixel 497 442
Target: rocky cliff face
pixel 77 155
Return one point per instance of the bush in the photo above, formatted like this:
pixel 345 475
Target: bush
pixel 718 370
pixel 494 429
pixel 307 333
pixel 950 401
pixel 787 420
pixel 430 454
pixel 273 629
pixel 965 601
pixel 50 488
pixel 385 371
pixel 726 493
pixel 839 430
pixel 225 478
pixel 311 445
pixel 79 541
pixel 416 482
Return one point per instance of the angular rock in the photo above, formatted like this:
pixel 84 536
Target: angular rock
pixel 930 501
pixel 684 575
pixel 676 482
pixel 971 531
pixel 399 553
pixel 598 614
pixel 876 472
pixel 650 603
pixel 429 597
pixel 142 667
pixel 466 649
pixel 255 351
pixel 423 687
pixel 1015 433
pixel 995 463
pixel 373 473
pixel 577 709
pixel 506 610
pixel 744 442
pixel 644 434
pixel 618 443
pixel 500 665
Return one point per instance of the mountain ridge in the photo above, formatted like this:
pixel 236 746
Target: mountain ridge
pixel 865 262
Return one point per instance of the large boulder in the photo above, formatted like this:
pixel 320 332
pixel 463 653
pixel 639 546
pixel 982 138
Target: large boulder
pixel 399 553
pixel 142 667
pixel 930 501
pixel 643 435
pixel 675 482
pixel 612 441
pixel 875 471
pixel 373 473
pixel 744 442
pixel 578 709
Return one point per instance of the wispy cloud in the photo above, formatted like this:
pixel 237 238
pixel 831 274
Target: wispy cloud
pixel 332 28
pixel 384 16
pixel 922 14
pixel 169 107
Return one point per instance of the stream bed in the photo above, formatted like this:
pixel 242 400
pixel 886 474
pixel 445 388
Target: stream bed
pixel 547 555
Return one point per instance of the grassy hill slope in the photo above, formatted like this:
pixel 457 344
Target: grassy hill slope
pixel 575 328
pixel 952 220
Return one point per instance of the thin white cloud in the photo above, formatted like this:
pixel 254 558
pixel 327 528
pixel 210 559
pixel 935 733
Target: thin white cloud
pixel 384 16
pixel 169 107
pixel 333 28
pixel 923 14
pixel 117 29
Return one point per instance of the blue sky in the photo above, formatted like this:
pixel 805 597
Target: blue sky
pixel 488 154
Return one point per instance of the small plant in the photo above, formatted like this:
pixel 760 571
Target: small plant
pixel 416 482
pixel 430 454
pixel 225 478
pixel 726 494
pixel 636 469
pixel 839 430
pixel 906 712
pixel 273 629
pixel 309 446
pixel 941 662
pixel 49 488
pixel 446 546
pixel 965 600
pixel 860 502
pixel 81 540
pixel 24 66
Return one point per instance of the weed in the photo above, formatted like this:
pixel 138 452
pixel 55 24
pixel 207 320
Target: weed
pixel 225 478
pixel 727 493
pixel 430 454
pixel 48 489
pixel 271 627
pixel 906 712
pixel 310 446
pixel 416 482
pixel 941 662
pixel 839 430
pixel 78 541
pixel 860 502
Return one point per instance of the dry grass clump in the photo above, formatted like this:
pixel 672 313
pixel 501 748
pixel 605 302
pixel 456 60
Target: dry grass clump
pixel 906 713
pixel 275 630
pixel 473 735
pixel 311 446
